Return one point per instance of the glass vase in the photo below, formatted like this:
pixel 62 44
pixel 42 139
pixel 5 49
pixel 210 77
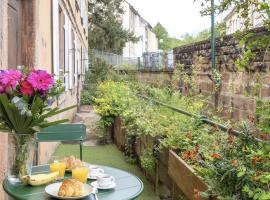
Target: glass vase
pixel 21 156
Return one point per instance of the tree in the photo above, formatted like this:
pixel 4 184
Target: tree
pixel 106 32
pixel 163 37
pixel 167 43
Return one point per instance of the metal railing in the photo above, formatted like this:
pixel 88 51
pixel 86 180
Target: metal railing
pixel 148 61
pixel 204 119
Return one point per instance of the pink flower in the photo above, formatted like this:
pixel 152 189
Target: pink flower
pixel 26 88
pixel 40 80
pixel 10 78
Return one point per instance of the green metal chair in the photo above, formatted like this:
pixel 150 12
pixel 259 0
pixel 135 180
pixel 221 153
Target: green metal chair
pixel 63 132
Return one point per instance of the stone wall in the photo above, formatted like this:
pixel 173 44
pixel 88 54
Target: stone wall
pixel 236 96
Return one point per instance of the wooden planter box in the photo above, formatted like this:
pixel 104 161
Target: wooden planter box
pixel 184 176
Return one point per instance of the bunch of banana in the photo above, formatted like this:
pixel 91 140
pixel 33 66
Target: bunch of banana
pixel 39 179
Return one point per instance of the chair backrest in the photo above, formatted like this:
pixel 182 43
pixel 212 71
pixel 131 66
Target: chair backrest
pixel 62 132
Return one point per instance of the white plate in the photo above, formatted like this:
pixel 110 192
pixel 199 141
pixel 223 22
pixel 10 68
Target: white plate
pixel 53 189
pixel 96 185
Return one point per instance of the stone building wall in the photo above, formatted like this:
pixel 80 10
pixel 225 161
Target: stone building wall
pixel 236 97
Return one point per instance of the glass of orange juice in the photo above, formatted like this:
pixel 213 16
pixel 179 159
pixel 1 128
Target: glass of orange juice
pixel 58 165
pixel 80 173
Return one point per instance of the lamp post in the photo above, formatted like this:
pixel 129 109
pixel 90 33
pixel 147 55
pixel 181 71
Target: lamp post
pixel 213 36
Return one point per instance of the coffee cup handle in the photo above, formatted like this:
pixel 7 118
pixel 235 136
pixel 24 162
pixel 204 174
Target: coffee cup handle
pixel 112 179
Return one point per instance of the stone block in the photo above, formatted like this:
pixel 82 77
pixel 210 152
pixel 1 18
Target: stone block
pixel 265 92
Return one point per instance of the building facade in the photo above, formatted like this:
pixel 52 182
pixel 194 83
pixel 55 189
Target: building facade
pixel 135 23
pixel 46 34
pixel 234 22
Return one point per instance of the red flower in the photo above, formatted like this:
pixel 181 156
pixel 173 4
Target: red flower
pixel 26 88
pixel 216 156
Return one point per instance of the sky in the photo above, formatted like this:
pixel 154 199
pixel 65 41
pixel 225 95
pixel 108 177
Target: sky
pixel 177 16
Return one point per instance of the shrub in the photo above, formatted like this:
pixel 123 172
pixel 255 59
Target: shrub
pixel 87 97
pixel 148 161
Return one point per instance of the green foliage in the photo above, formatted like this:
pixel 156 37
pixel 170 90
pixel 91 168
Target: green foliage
pixel 248 41
pixel 98 72
pixel 87 97
pixel 34 120
pixel 106 31
pixel 148 161
pixel 263 112
pixel 163 37
pixel 167 43
pixel 235 168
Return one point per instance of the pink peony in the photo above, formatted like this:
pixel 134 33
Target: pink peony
pixel 10 78
pixel 40 80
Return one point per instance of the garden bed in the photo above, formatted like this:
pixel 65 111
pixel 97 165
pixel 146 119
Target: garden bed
pixel 171 171
pixel 184 176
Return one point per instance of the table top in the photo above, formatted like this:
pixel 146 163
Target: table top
pixel 128 186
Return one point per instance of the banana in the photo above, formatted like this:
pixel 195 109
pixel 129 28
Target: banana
pixel 40 179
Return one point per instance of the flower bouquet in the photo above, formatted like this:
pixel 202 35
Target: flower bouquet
pixel 25 99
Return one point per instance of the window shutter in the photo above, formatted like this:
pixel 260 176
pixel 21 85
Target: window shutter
pixel 56 39
pixel 66 52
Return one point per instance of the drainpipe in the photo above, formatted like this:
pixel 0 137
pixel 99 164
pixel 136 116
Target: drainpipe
pixel 213 50
pixel 213 36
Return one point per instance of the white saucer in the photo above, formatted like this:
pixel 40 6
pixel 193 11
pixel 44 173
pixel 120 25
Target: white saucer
pixel 96 185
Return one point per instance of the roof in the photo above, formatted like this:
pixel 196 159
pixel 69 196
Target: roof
pixel 231 13
pixel 137 13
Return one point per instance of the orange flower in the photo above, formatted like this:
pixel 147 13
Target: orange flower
pixel 255 160
pixel 186 155
pixel 197 194
pixel 234 163
pixel 216 156
pixel 230 139
pixel 194 154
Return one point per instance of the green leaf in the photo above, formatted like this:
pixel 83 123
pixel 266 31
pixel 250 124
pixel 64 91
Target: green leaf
pixel 54 123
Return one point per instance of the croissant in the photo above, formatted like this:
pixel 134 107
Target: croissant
pixel 71 188
pixel 72 162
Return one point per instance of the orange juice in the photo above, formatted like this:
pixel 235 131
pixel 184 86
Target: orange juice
pixel 60 167
pixel 80 173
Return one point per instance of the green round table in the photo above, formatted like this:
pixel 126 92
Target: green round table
pixel 128 186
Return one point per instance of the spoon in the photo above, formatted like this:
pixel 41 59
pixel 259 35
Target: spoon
pixel 95 191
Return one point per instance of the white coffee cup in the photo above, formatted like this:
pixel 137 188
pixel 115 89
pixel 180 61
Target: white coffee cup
pixel 105 180
pixel 96 171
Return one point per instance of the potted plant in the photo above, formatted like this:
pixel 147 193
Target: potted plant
pixel 25 99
